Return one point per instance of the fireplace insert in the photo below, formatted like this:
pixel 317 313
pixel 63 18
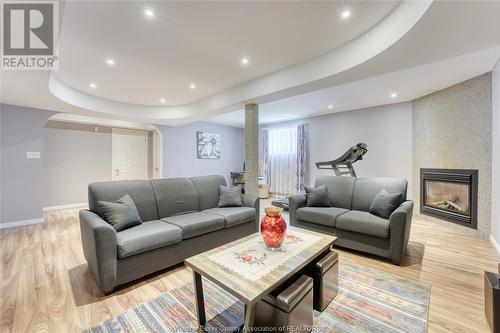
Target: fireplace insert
pixel 450 194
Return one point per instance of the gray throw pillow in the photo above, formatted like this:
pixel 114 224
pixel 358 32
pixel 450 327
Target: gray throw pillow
pixel 230 196
pixel 385 203
pixel 317 196
pixel 121 214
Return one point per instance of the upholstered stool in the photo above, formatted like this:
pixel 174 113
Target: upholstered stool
pixel 325 273
pixel 287 309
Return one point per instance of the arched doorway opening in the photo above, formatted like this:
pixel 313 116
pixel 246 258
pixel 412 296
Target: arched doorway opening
pixel 80 150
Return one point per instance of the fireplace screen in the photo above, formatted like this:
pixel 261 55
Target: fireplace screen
pixel 450 196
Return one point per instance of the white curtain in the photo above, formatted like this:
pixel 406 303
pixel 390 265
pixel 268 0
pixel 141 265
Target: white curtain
pixel 282 154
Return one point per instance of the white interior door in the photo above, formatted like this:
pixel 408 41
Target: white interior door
pixel 130 154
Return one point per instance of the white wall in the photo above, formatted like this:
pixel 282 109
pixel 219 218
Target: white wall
pixel 75 156
pixel 22 178
pixel 179 150
pixel 495 170
pixel 387 130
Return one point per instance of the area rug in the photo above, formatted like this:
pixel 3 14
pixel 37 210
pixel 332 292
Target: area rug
pixel 368 301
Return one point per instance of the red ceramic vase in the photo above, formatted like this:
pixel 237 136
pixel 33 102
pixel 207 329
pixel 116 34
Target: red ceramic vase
pixel 273 228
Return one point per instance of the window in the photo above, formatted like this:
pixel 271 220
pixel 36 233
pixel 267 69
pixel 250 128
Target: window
pixel 282 150
pixel 283 159
pixel 283 141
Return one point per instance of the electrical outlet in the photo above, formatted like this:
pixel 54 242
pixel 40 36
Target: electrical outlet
pixel 32 155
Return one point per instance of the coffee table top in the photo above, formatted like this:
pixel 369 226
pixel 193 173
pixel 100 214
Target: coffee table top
pixel 247 270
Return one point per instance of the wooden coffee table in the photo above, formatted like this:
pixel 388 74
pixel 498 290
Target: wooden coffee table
pixel 266 270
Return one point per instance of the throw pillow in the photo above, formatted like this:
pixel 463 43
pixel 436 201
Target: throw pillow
pixel 121 214
pixel 230 196
pixel 385 203
pixel 317 196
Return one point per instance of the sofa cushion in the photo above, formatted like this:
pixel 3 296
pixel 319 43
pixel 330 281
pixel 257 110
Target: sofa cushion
pixel 339 189
pixel 317 196
pixel 121 214
pixel 147 236
pixel 230 196
pixel 208 189
pixel 197 223
pixel 175 196
pixel 233 215
pixel 385 203
pixel 366 189
pixel 320 215
pixel 363 223
pixel 141 192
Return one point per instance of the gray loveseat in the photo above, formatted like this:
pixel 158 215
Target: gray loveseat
pixel 180 219
pixel 350 219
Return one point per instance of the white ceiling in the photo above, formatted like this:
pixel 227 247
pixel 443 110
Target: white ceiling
pixel 199 42
pixel 453 42
pixel 302 57
pixel 408 84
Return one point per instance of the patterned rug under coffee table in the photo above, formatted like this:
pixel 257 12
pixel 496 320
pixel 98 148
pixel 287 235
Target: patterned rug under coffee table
pixel 368 301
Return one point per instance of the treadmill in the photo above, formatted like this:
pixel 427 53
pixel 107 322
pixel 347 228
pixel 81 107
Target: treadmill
pixel 342 166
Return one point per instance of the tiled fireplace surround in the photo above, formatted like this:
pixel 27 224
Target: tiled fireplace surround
pixel 452 130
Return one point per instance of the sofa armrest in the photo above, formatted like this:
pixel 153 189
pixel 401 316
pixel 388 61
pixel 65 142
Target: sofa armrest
pixel 399 229
pixel 295 202
pixel 254 202
pixel 100 249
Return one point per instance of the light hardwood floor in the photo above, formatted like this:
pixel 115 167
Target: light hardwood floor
pixel 45 284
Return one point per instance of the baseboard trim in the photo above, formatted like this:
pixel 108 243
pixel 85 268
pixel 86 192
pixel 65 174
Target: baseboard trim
pixel 60 207
pixel 20 223
pixel 495 244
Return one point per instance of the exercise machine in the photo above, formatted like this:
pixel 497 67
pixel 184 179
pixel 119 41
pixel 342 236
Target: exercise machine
pixel 342 166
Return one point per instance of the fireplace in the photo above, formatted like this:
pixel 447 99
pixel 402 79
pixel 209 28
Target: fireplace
pixel 450 194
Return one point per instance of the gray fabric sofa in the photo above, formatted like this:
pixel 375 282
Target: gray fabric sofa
pixel 180 219
pixel 350 219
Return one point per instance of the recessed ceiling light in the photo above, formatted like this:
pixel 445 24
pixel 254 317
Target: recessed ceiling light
pixel 394 95
pixel 192 85
pixel 330 106
pixel 162 100
pixel 92 85
pixel 345 14
pixel 244 61
pixel 110 62
pixel 148 12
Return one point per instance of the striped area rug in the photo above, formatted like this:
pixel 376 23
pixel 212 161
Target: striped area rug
pixel 368 301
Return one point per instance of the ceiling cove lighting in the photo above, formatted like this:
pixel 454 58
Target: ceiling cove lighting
pixel 330 106
pixel 148 12
pixel 394 95
pixel 346 13
pixel 244 61
pixel 110 62
pixel 192 86
pixel 92 85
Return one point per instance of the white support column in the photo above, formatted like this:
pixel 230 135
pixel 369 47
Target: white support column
pixel 252 149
